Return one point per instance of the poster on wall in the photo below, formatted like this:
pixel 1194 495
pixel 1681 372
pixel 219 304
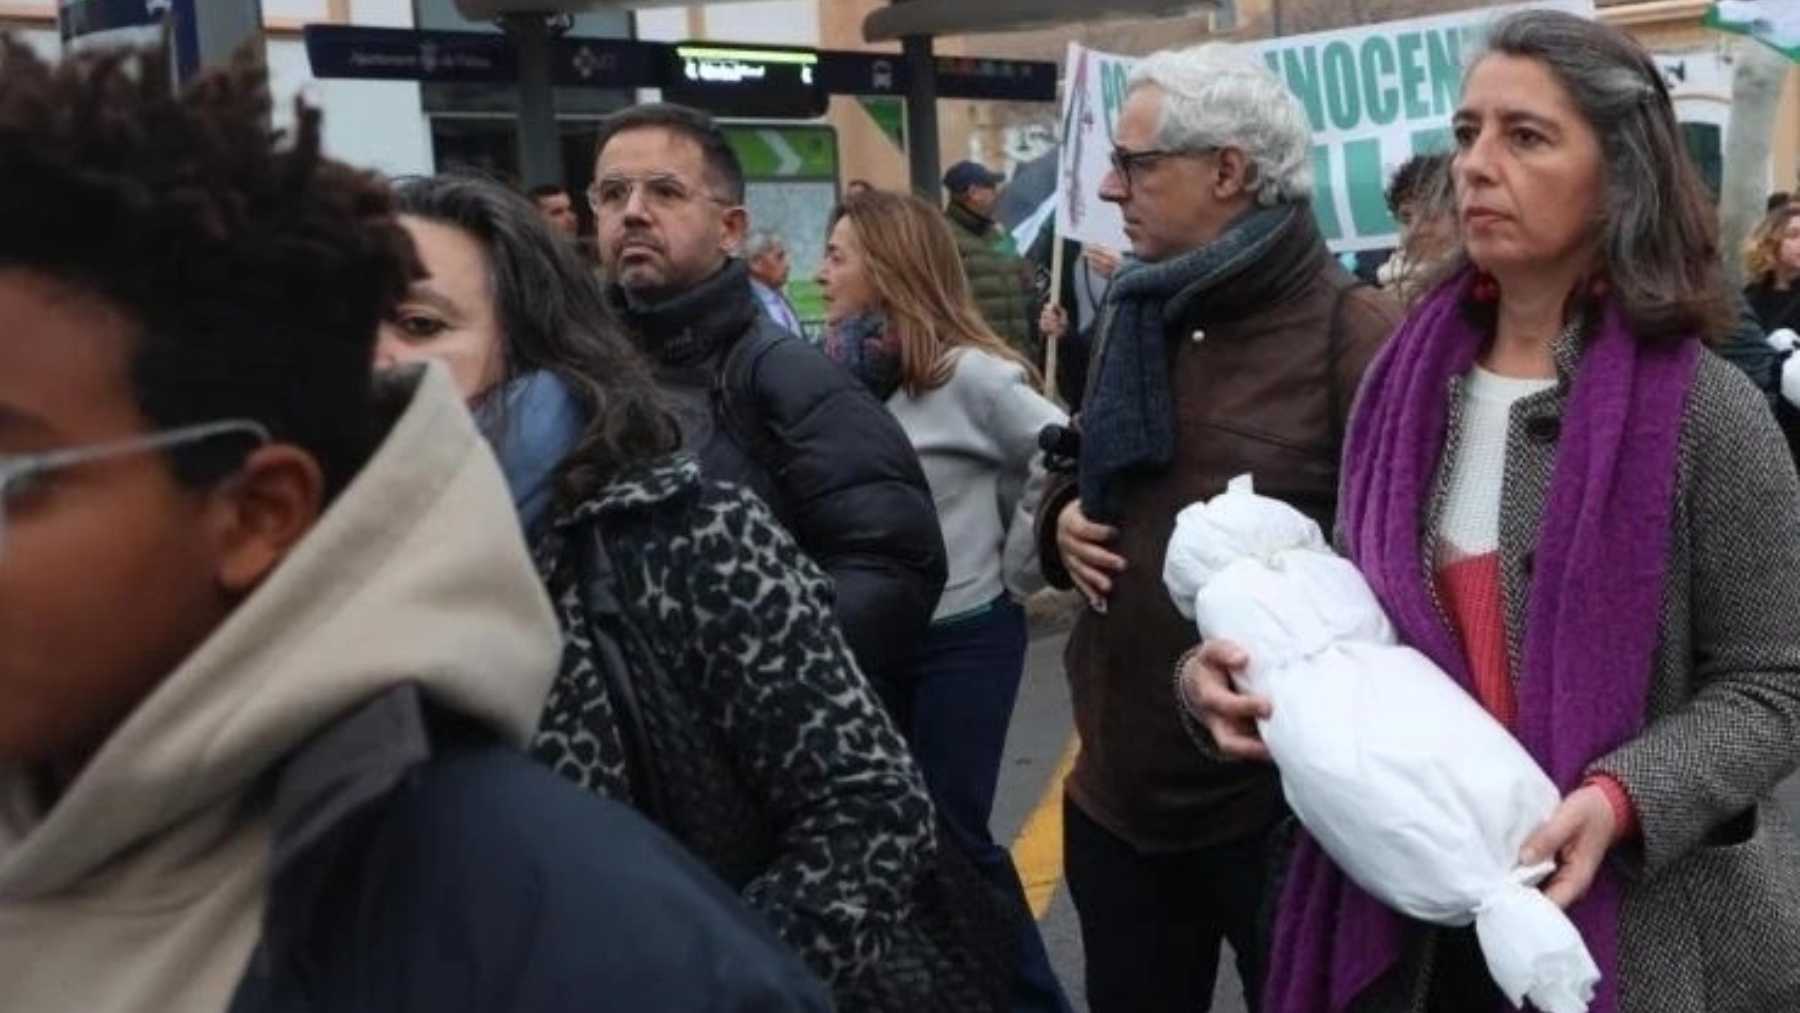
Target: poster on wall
pixel 1093 92
pixel 1373 96
pixel 791 174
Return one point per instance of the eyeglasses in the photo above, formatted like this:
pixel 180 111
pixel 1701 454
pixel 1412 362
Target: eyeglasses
pixel 662 192
pixel 1127 162
pixel 21 475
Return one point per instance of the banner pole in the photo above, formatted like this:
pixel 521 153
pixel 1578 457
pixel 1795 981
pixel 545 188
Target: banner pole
pixel 1056 273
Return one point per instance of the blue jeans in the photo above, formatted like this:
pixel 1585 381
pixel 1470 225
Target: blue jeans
pixel 965 681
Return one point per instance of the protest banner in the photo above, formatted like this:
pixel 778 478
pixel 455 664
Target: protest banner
pixel 1373 95
pixel 1093 92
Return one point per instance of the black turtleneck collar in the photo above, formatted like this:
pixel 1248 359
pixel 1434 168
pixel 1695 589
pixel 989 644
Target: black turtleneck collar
pixel 695 325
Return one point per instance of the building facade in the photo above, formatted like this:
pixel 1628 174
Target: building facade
pixel 405 128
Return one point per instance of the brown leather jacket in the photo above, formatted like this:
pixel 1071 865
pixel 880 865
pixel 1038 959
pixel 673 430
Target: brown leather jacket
pixel 1265 365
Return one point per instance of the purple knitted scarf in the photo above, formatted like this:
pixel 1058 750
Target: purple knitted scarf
pixel 1592 615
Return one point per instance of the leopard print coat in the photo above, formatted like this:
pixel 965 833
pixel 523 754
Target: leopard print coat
pixel 730 711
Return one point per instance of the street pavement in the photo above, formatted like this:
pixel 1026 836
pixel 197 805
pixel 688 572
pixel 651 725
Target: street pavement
pixel 1040 733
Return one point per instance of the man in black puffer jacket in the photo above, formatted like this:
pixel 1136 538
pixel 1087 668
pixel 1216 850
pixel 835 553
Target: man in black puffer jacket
pixel 759 406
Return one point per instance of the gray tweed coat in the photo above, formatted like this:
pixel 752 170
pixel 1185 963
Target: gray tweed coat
pixel 1711 916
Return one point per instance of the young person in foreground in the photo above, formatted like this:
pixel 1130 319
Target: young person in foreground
pixel 269 637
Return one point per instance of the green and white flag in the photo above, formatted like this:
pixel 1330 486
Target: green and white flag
pixel 1775 23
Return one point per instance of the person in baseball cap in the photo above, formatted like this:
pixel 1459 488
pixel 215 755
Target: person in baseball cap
pixel 1000 279
pixel 966 176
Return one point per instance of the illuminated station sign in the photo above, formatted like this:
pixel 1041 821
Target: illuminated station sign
pixel 746 81
pixel 726 79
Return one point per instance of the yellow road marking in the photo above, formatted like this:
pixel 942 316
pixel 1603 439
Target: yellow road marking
pixel 1038 850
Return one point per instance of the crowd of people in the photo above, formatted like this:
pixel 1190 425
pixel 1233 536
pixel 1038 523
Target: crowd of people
pixel 407 603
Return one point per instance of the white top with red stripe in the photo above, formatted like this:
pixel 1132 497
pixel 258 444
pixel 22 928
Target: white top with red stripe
pixel 1468 533
pixel 1470 525
pixel 1468 555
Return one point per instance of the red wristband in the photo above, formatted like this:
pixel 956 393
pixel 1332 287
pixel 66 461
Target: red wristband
pixel 1625 823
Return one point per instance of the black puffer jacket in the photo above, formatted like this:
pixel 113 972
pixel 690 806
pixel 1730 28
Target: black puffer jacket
pixel 1774 307
pixel 373 905
pixel 766 410
pixel 1758 313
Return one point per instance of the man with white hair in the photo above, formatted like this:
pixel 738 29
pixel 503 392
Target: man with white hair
pixel 765 253
pixel 1231 343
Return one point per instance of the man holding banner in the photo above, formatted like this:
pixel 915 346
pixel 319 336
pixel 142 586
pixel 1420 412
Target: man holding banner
pixel 1232 343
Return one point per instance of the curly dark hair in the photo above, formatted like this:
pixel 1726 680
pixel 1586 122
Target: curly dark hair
pixel 555 318
pixel 1422 177
pixel 255 271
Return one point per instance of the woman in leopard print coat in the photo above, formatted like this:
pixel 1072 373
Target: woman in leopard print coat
pixel 705 679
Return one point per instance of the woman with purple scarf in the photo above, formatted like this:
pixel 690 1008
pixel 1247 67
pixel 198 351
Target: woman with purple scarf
pixel 1590 522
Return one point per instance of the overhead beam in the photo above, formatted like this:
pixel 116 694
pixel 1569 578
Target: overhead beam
pixel 540 151
pixel 961 17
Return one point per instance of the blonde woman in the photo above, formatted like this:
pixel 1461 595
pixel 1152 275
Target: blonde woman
pixel 900 317
pixel 1772 266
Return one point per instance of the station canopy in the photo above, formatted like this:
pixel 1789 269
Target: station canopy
pixel 960 17
pixel 902 18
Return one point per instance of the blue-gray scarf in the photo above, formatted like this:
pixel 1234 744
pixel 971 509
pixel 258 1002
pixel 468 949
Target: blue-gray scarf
pixel 1128 418
pixel 533 424
pixel 861 344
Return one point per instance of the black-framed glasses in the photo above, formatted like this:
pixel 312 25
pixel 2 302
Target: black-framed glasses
pixel 20 474
pixel 1126 162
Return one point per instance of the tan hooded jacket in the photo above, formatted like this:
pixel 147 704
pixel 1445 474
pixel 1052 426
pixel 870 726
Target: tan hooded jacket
pixel 142 888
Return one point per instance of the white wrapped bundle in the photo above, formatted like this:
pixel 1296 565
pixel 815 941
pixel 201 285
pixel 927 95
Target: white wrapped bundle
pixel 1416 792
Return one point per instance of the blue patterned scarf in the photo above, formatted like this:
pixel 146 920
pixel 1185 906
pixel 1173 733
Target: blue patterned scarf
pixel 1128 417
pixel 533 423
pixel 862 345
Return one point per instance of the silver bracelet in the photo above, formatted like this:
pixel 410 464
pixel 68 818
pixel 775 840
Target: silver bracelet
pixel 1181 663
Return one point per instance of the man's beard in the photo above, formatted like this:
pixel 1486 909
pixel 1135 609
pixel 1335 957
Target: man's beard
pixel 645 292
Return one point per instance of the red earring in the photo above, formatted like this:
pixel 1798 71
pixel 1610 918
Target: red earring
pixel 1599 288
pixel 1485 289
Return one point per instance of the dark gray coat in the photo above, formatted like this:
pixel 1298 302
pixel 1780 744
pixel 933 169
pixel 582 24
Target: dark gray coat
pixel 1711 915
